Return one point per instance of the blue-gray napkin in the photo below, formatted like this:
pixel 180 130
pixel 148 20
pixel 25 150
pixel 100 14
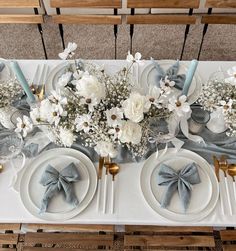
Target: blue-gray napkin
pixel 59 181
pixel 180 181
pixel 172 74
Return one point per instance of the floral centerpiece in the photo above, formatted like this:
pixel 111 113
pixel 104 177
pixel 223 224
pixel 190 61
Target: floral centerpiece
pixel 219 95
pixel 105 112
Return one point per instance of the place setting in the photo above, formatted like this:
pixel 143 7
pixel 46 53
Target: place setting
pixel 71 128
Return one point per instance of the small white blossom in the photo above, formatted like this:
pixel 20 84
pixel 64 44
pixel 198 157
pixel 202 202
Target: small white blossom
pixel 114 116
pixel 232 73
pixel 227 106
pixel 90 102
pixel 54 114
pixel 105 149
pixel 69 51
pixel 155 97
pixel 179 105
pixel 131 132
pixel 83 123
pixel 57 99
pixel 115 132
pixel 166 84
pixel 67 137
pixel 135 107
pixel 134 59
pixel 64 80
pixel 36 116
pixel 24 125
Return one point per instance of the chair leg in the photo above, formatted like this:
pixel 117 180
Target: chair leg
pixel 186 34
pixel 61 30
pixel 115 34
pixel 203 34
pixel 40 29
pixel 131 33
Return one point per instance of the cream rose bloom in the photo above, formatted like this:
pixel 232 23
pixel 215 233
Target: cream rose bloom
pixel 89 87
pixel 135 107
pixel 105 149
pixel 131 132
pixel 67 137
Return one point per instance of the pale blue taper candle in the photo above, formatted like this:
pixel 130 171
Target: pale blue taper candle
pixel 189 76
pixel 23 82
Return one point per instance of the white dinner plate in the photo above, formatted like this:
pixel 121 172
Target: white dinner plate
pixel 59 158
pixel 149 73
pixel 57 203
pixel 152 193
pixel 205 187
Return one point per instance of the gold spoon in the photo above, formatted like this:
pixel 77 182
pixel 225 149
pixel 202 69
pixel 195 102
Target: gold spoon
pixel 113 170
pixel 1 168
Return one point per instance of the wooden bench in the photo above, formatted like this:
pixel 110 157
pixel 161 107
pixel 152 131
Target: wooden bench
pixel 168 238
pixel 9 234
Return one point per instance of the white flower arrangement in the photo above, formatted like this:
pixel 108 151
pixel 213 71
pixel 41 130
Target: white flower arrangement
pixel 103 111
pixel 220 95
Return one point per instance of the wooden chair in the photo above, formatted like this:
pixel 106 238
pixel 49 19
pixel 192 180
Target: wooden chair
pixel 168 238
pixel 228 237
pixel 87 19
pixel 217 18
pixel 162 18
pixel 9 234
pixel 42 237
pixel 35 18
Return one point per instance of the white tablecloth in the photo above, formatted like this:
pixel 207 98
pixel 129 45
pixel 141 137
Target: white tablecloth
pixel 130 205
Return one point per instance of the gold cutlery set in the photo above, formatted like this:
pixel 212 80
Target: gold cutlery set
pixel 112 169
pixel 228 170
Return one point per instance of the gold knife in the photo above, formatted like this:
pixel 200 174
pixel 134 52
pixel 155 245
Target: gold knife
pixel 217 168
pixel 101 164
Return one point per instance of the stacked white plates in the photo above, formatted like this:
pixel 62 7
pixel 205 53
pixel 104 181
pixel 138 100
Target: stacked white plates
pixel 149 75
pixel 204 195
pixel 31 191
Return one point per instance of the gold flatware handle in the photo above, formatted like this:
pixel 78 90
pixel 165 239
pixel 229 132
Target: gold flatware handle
pixel 100 167
pixel 217 168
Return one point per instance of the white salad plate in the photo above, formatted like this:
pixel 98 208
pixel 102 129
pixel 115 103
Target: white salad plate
pixel 31 191
pixel 149 74
pixel 204 195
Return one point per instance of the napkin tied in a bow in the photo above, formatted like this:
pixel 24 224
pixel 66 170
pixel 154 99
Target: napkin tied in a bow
pixel 181 180
pixel 59 181
pixel 172 74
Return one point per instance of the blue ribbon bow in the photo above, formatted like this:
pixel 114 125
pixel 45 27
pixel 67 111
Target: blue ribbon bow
pixel 59 181
pixel 181 180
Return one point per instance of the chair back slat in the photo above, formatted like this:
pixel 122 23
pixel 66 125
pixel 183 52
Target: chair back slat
pixel 228 238
pixel 21 19
pixel 163 4
pixel 220 4
pixel 19 3
pixel 105 4
pixel 86 19
pixel 8 239
pixel 219 19
pixel 160 19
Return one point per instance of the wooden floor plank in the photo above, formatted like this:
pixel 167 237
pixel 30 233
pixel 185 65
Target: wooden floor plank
pixel 69 227
pixel 163 229
pixel 57 238
pixel 168 241
pixel 228 235
pixel 8 238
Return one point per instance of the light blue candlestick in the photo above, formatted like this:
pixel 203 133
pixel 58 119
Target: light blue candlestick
pixel 189 76
pixel 23 82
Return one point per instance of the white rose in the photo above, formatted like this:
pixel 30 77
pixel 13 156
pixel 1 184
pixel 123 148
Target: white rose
pixel 67 137
pixel 135 107
pixel 89 87
pixel 131 133
pixel 105 149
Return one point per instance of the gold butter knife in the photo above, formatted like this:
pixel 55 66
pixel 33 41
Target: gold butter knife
pixel 100 167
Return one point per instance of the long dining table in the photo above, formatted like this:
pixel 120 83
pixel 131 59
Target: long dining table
pixel 130 204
